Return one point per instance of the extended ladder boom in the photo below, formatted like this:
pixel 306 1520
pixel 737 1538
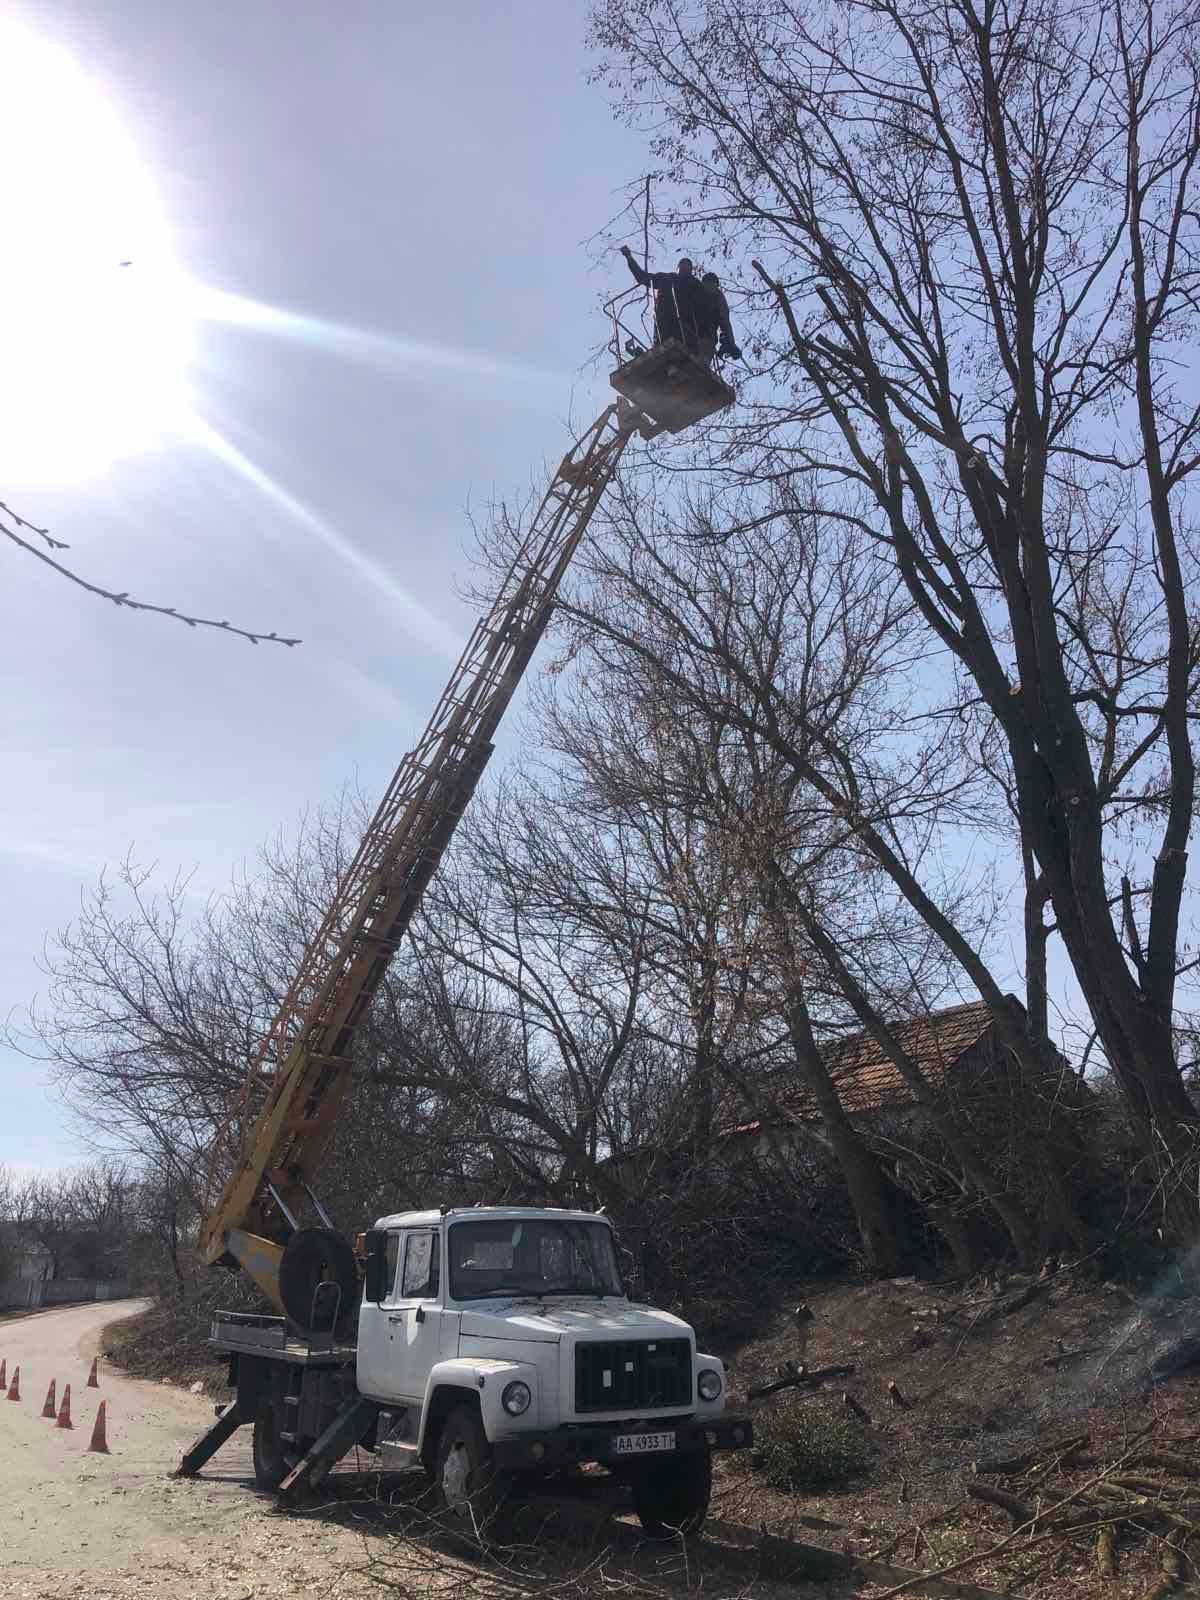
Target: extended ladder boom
pixel 302 1070
pixel 305 1059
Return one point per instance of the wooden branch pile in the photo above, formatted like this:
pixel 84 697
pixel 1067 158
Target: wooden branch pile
pixel 1143 1493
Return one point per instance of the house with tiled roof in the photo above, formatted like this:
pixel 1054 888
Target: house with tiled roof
pixel 958 1051
pixel 953 1049
pixel 1003 1104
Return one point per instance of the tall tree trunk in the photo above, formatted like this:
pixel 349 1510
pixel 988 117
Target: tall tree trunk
pixel 956 1234
pixel 874 1208
pixel 704 1077
pixel 1036 1003
pixel 974 1166
pixel 1134 1031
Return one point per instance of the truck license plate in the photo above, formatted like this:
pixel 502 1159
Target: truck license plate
pixel 640 1444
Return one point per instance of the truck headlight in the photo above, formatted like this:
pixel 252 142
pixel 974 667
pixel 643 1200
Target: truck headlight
pixel 709 1384
pixel 516 1398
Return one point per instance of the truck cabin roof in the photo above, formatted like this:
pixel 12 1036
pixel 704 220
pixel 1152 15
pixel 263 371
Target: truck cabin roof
pixel 430 1219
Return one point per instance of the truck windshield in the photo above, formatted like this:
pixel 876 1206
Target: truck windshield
pixel 534 1256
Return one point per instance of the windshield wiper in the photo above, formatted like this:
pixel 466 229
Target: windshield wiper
pixel 572 1286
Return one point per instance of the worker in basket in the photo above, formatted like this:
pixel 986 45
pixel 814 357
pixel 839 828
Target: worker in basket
pixel 683 308
pixel 719 318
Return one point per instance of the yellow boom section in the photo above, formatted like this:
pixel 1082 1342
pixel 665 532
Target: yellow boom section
pixel 304 1064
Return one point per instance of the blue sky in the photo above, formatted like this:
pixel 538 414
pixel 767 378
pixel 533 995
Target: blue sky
pixel 377 214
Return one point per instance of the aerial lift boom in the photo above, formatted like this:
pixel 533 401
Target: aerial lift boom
pixel 274 1142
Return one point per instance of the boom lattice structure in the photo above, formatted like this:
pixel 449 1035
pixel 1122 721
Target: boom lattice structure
pixel 306 1054
pixel 302 1070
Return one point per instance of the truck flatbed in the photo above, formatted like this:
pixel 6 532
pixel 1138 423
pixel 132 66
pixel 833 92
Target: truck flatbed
pixel 247 1333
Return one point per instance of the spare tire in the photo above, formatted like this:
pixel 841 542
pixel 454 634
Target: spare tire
pixel 318 1282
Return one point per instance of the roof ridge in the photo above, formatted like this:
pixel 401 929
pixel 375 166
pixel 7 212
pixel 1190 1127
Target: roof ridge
pixel 920 1018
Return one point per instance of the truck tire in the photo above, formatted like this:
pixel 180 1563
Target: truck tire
pixel 270 1462
pixel 671 1497
pixel 318 1282
pixel 468 1486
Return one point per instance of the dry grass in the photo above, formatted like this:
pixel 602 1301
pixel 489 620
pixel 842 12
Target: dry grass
pixel 163 1343
pixel 981 1386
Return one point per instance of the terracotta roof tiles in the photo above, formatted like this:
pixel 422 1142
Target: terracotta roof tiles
pixel 867 1080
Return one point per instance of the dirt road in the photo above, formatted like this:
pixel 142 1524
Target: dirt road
pixel 75 1523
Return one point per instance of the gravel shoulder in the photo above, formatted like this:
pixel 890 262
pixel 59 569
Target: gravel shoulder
pixel 77 1523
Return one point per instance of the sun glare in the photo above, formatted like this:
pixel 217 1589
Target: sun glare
pixel 95 324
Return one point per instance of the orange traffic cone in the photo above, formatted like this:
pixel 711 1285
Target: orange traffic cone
pixel 49 1409
pixel 14 1388
pixel 93 1381
pixel 3 1374
pixel 64 1411
pixel 99 1437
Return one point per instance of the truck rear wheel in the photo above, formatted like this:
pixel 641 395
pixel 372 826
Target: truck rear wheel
pixel 671 1497
pixel 270 1462
pixel 468 1485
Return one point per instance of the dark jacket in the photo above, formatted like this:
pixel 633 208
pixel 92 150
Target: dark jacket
pixel 683 307
pixel 721 315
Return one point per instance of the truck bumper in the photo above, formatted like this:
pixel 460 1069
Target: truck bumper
pixel 560 1447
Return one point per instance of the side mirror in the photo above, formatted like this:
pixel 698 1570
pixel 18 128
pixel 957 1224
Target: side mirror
pixel 376 1286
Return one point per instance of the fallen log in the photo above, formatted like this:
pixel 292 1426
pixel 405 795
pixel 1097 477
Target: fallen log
pixel 1016 1509
pixel 1076 1497
pixel 1018 1302
pixel 1136 1485
pixel 1166 1461
pixel 801 1378
pixel 1061 1357
pixel 1055 1515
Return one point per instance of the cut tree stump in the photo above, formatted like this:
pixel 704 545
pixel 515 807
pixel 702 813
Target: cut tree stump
pixel 1106 1552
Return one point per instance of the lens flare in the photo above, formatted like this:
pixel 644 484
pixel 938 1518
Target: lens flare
pixel 393 352
pixel 434 631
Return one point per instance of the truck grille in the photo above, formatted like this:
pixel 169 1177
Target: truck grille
pixel 633 1375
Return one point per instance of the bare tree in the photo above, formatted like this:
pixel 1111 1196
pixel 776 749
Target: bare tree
pixel 779 669
pixel 8 1190
pixel 980 222
pixel 666 778
pixel 156 1004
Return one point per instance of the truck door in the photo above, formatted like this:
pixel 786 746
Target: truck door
pixel 374 1377
pixel 414 1321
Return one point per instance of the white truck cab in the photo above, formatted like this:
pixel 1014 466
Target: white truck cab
pixel 508 1327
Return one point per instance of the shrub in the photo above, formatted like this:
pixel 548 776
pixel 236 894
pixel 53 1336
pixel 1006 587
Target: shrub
pixel 170 1339
pixel 804 1444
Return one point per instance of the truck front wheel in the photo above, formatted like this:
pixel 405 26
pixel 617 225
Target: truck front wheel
pixel 468 1484
pixel 270 1462
pixel 671 1497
